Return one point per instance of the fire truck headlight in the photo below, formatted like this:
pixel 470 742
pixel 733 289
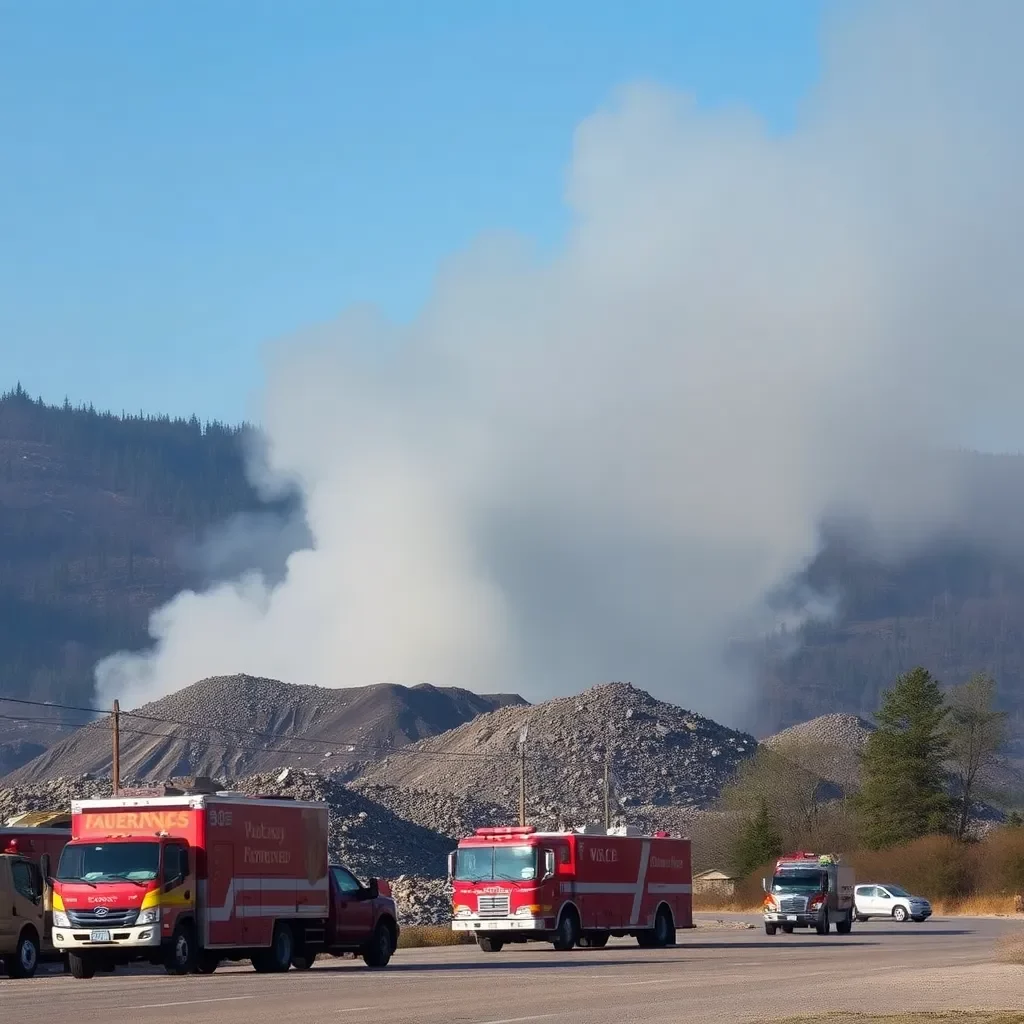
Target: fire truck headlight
pixel 151 916
pixel 60 920
pixel 530 908
pixel 462 911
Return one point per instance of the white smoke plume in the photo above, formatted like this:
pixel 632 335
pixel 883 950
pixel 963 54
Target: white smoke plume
pixel 596 467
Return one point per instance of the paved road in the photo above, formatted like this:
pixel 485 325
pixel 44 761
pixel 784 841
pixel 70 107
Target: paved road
pixel 713 974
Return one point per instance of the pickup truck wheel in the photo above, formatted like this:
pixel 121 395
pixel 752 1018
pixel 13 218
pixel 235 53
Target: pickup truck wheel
pixel 489 945
pixel 81 966
pixel 303 961
pixel 788 929
pixel 180 956
pixel 377 952
pixel 25 960
pixel 769 929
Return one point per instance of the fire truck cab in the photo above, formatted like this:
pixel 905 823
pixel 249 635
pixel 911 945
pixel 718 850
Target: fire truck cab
pixel 516 884
pixel 808 890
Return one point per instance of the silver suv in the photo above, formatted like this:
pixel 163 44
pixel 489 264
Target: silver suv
pixel 889 901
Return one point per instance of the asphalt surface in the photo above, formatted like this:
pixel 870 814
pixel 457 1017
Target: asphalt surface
pixel 714 973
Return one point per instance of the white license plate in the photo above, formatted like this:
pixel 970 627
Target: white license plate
pixel 789 917
pixel 99 937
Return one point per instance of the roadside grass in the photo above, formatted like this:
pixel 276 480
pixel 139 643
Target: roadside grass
pixel 947 1017
pixel 417 936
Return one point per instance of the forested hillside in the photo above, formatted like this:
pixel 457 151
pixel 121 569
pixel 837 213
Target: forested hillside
pixel 94 511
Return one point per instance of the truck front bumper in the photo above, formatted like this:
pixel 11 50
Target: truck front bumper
pixel 802 920
pixel 137 937
pixel 501 924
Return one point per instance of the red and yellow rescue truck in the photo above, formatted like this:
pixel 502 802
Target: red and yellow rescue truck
pixel 570 888
pixel 193 880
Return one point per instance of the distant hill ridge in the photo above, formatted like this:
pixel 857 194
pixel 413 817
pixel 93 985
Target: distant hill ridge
pixel 241 724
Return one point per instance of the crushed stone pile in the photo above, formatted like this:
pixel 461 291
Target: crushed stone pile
pixel 662 757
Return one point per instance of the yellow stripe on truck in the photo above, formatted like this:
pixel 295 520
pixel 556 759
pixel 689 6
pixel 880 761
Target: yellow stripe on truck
pixel 58 903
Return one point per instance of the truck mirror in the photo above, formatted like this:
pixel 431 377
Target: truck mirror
pixel 451 865
pixel 549 865
pixel 764 884
pixel 373 888
pixel 44 868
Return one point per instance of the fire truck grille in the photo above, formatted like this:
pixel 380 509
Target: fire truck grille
pixel 493 906
pixel 111 919
pixel 793 904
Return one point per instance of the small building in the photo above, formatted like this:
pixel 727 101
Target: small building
pixel 713 883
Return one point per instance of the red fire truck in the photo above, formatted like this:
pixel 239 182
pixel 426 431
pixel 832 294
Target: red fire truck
pixel 192 880
pixel 570 888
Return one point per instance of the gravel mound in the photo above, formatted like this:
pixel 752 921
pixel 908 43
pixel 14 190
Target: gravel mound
pixel 829 746
pixel 422 900
pixel 661 757
pixel 237 725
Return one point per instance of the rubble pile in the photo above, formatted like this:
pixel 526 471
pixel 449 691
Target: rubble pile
pixel 661 757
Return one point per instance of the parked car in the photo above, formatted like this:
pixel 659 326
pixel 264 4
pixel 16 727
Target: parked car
pixel 889 901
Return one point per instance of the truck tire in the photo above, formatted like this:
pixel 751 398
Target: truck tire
pixel 489 945
pixel 377 952
pixel 769 928
pixel 824 926
pixel 845 926
pixel 207 962
pixel 180 955
pixel 278 958
pixel 787 929
pixel 664 928
pixel 25 959
pixel 303 961
pixel 568 933
pixel 81 966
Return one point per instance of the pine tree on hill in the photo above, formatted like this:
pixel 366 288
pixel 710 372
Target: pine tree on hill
pixel 903 794
pixel 758 843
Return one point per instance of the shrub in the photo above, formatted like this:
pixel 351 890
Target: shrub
pixel 417 936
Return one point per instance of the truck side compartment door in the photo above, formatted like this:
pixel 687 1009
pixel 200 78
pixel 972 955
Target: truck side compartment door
pixel 7 907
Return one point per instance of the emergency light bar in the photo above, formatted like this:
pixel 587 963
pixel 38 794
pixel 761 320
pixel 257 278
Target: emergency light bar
pixel 508 830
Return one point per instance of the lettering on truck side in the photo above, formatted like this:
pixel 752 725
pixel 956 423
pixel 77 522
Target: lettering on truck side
pixel 604 856
pixel 133 821
pixel 661 862
pixel 261 832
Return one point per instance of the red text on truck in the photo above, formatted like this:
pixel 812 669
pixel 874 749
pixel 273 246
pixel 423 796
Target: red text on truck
pixel 570 888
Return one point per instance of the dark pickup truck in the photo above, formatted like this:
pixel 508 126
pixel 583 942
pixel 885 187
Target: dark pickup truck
pixel 363 920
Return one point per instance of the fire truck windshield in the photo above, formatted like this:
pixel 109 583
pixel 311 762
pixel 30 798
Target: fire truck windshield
pixel 109 862
pixel 496 864
pixel 797 881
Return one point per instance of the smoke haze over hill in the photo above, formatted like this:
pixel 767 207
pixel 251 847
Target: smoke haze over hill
pixel 597 467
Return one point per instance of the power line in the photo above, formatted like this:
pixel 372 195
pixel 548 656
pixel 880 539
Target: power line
pixel 338 747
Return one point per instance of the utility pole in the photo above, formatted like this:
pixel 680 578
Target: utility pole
pixel 522 774
pixel 117 748
pixel 607 785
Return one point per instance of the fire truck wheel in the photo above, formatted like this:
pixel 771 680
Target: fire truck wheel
pixel 25 960
pixel 377 952
pixel 180 957
pixel 568 931
pixel 489 945
pixel 207 962
pixel 664 928
pixel 81 966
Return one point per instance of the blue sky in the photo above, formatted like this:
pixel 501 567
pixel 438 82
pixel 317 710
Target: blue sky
pixel 184 180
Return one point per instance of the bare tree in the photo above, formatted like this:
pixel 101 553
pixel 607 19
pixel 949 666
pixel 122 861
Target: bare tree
pixel 977 733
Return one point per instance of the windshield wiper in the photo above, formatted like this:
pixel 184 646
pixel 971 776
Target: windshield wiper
pixel 84 881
